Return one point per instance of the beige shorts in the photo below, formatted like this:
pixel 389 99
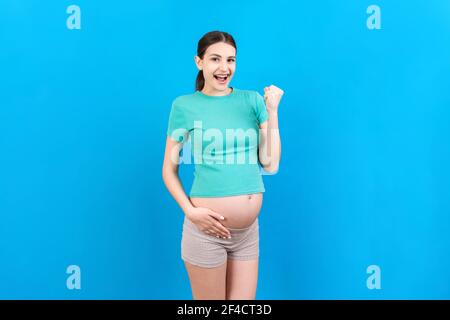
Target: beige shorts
pixel 208 251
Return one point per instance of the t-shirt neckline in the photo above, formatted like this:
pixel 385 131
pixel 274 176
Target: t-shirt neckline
pixel 216 97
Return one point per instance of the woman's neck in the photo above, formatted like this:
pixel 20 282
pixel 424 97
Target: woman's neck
pixel 212 92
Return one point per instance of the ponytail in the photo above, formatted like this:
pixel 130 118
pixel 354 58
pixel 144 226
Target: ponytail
pixel 200 81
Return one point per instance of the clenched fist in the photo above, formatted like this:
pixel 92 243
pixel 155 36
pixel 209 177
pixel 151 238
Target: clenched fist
pixel 272 97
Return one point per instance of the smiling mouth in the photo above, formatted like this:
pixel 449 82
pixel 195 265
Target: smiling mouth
pixel 221 77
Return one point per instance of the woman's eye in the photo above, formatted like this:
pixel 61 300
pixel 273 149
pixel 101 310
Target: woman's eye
pixel 231 60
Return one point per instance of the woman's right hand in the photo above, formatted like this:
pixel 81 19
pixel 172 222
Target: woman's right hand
pixel 207 221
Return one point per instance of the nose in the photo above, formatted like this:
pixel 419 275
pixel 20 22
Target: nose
pixel 223 66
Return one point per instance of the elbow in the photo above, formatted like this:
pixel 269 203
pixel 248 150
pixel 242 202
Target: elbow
pixel 166 174
pixel 167 177
pixel 269 165
pixel 271 169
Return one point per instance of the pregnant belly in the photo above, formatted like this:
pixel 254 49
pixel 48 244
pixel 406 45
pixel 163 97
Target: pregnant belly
pixel 239 211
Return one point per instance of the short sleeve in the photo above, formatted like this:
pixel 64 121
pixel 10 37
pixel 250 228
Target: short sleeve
pixel 177 128
pixel 260 108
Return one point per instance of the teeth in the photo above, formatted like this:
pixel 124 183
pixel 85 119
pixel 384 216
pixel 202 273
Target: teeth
pixel 222 78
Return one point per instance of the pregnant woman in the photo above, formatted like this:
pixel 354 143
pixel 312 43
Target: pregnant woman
pixel 233 133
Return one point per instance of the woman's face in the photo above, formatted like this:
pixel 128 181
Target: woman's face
pixel 218 65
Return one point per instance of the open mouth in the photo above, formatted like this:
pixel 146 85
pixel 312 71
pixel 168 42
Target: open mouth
pixel 222 78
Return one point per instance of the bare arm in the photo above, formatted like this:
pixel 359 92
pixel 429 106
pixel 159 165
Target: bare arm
pixel 170 174
pixel 270 143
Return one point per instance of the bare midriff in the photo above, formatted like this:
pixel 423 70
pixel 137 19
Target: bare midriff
pixel 239 211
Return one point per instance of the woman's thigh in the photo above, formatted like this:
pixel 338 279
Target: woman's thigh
pixel 207 283
pixel 242 279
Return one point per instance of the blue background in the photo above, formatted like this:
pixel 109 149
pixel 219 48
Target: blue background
pixel 364 177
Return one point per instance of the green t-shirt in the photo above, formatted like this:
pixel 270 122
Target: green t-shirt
pixel 224 136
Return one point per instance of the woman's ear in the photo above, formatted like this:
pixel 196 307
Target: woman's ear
pixel 198 62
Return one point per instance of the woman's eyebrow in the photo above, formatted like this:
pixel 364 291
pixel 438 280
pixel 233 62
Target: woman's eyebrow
pixel 215 54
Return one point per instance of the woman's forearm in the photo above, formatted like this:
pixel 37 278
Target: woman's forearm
pixel 270 145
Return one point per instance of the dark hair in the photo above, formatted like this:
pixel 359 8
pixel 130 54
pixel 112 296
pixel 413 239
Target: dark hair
pixel 208 39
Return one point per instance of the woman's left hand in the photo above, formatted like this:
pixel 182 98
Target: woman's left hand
pixel 272 97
